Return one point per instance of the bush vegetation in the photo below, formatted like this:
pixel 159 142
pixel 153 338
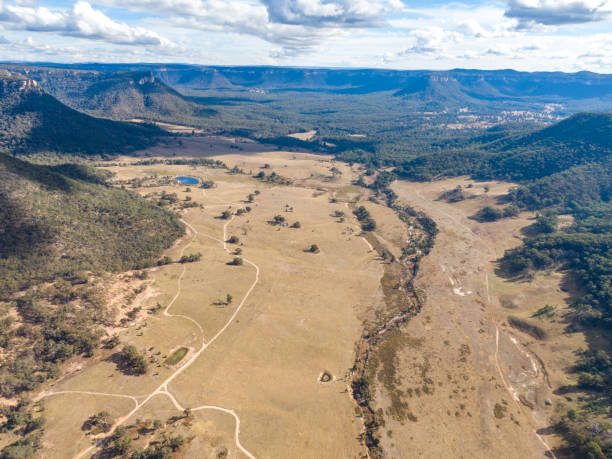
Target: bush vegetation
pixel 58 221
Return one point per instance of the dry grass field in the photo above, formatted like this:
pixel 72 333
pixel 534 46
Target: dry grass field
pixel 466 374
pixel 262 358
pixel 270 342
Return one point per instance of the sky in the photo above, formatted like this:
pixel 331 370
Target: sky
pixel 528 35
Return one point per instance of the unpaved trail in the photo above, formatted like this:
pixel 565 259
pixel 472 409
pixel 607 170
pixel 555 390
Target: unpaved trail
pixel 508 387
pixel 178 291
pixel 459 264
pixel 236 432
pixel 162 389
pixel 42 395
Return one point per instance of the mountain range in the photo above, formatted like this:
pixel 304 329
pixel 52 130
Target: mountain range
pixel 575 90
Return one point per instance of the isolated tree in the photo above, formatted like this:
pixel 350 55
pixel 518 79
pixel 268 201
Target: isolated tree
pixel 228 299
pixel 296 225
pixel 131 361
pixel 314 248
pixel 237 261
pixel 489 214
pixel 277 220
pixel 98 423
pixel 233 240
pixel 226 214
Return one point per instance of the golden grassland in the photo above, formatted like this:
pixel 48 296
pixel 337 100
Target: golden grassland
pixel 300 320
pixel 437 380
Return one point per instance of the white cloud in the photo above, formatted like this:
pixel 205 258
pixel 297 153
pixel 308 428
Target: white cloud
pixel 522 34
pixel 557 12
pixel 321 13
pixel 427 41
pixel 297 26
pixel 81 21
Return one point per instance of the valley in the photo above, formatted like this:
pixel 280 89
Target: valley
pixel 265 276
pixel 293 317
pixel 252 377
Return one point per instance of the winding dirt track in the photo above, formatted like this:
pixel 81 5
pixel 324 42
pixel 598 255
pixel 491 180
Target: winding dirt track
pixel 498 331
pixel 162 389
pixel 503 379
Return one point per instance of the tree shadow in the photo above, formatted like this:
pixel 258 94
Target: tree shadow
pixel 21 234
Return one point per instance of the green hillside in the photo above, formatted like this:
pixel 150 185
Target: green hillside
pixel 59 220
pixel 120 95
pixel 32 121
pixel 582 139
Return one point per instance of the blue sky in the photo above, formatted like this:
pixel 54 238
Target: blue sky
pixel 566 35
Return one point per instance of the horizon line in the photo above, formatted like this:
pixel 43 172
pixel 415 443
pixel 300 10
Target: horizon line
pixel 303 67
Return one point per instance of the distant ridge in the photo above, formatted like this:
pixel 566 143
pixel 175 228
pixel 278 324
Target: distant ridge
pixel 32 121
pixel 114 87
pixel 121 95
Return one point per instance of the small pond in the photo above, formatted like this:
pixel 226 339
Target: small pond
pixel 187 180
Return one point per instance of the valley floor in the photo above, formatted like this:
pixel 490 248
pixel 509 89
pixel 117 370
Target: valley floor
pixel 474 387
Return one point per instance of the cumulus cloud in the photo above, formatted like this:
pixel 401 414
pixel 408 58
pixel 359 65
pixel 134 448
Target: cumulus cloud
pixel 298 26
pixel 431 40
pixel 320 13
pixel 294 40
pixel 81 21
pixel 557 12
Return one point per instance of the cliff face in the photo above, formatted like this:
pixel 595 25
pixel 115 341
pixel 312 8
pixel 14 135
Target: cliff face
pixel 118 95
pixel 32 121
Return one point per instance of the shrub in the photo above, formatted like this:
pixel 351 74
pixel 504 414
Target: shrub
pixel 488 214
